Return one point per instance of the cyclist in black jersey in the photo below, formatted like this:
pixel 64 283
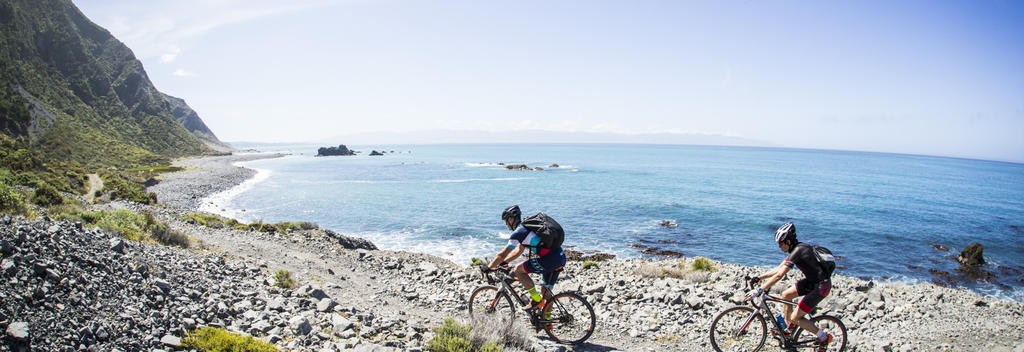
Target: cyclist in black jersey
pixel 815 285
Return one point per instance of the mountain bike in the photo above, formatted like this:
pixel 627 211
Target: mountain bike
pixel 743 328
pixel 566 317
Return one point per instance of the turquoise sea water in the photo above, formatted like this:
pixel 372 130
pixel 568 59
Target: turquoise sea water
pixel 881 213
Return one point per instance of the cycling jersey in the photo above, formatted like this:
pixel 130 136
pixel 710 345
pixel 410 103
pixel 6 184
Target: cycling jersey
pixel 804 259
pixel 526 237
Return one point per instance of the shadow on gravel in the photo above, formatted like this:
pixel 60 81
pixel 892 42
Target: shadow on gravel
pixel 586 346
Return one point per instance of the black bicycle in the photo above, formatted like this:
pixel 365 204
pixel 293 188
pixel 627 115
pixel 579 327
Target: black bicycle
pixel 743 328
pixel 566 317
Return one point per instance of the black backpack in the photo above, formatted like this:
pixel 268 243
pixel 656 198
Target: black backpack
pixel 549 231
pixel 825 259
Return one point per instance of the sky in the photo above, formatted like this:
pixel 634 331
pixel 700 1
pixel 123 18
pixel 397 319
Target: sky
pixel 919 77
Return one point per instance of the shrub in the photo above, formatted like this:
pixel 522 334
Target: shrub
pixel 11 201
pixel 130 225
pixel 46 195
pixel 587 264
pixel 215 339
pixel 283 279
pixel 170 237
pixel 702 264
pixel 450 337
pixel 205 219
pixel 477 261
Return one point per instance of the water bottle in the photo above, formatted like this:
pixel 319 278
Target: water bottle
pixel 781 321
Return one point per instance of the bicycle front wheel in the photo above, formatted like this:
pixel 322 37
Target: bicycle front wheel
pixel 831 325
pixel 489 305
pixel 570 318
pixel 738 329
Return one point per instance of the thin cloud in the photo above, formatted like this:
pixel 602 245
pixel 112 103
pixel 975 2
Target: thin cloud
pixel 182 73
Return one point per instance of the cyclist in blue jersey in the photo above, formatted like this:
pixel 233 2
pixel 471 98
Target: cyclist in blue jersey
pixel 544 261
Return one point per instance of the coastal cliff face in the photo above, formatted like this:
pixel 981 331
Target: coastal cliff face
pixel 81 95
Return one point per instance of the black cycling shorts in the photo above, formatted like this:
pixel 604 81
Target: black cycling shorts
pixel 548 266
pixel 813 293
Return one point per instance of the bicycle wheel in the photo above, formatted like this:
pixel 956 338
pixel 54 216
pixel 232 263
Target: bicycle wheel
pixel 738 329
pixel 831 325
pixel 487 303
pixel 572 318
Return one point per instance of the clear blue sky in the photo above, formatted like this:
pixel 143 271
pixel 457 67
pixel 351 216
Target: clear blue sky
pixel 923 77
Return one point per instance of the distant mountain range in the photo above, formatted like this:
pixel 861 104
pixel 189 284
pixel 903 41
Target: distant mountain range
pixel 80 95
pixel 537 136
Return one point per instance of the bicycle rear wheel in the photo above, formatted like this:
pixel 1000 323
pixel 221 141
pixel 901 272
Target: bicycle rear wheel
pixel 572 318
pixel 831 325
pixel 488 304
pixel 738 329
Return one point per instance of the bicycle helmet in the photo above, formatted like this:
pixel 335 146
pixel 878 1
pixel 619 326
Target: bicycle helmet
pixel 512 216
pixel 785 233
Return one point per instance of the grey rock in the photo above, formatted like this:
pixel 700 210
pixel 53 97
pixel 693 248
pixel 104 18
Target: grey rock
pixel 317 293
pixel 171 340
pixel 325 305
pixel 339 324
pixel 427 268
pixel 300 325
pixel 117 245
pixel 276 304
pixel 8 267
pixel 163 285
pixel 18 331
pixel 6 248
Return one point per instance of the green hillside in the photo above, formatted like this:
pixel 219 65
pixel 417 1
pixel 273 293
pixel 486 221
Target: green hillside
pixel 71 93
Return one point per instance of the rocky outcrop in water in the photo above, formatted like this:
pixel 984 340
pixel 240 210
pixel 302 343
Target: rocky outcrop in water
pixel 341 149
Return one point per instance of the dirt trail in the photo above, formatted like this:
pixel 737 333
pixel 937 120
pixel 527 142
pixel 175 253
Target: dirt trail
pixel 95 184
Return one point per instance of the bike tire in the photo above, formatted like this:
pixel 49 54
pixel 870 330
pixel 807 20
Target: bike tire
pixel 573 318
pixel 736 324
pixel 487 302
pixel 831 325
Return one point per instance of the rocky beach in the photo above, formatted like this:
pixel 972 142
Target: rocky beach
pixel 70 288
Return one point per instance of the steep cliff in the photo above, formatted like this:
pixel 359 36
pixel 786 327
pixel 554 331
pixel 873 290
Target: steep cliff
pixel 81 96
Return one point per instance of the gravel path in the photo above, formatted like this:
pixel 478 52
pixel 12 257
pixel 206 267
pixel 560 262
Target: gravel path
pixel 203 177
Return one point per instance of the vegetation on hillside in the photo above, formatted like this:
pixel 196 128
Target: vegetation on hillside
pixel 212 339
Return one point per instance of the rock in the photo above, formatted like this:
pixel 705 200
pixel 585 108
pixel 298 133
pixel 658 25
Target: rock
pixel 940 247
pixel 117 245
pixel 972 255
pixel 171 340
pixel 341 149
pixel 18 331
pixel 521 167
pixel 375 153
pixel 351 242
pixel 427 268
pixel 668 223
pixel 553 166
pixel 300 325
pixel 325 305
pixel 339 324
pixel 317 293
pixel 276 304
pixel 6 248
pixel 163 285
pixel 8 268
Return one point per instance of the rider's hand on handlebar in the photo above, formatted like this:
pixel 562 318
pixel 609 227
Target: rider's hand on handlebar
pixel 485 269
pixel 755 293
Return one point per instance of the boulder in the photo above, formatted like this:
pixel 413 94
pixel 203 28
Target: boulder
pixel 972 255
pixel 375 153
pixel 300 325
pixel 117 245
pixel 171 341
pixel 348 242
pixel 339 324
pixel 18 331
pixel 518 167
pixel 325 305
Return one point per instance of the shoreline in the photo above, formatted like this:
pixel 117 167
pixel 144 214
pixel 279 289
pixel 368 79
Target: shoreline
pixel 350 295
pixel 207 177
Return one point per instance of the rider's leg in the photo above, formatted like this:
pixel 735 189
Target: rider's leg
pixel 811 300
pixel 524 277
pixel 789 294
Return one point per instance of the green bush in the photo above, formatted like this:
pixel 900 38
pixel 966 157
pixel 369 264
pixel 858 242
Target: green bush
pixel 11 201
pixel 219 340
pixel 170 237
pixel 454 337
pixel 130 225
pixel 283 279
pixel 120 187
pixel 702 264
pixel 46 195
pixel 477 261
pixel 590 264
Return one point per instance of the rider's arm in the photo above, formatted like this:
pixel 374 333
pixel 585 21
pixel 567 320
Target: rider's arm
pixel 776 275
pixel 515 254
pixel 500 258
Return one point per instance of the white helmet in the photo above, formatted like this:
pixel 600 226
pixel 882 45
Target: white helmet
pixel 785 232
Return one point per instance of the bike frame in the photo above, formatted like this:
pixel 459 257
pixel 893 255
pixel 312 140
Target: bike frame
pixel 506 287
pixel 765 312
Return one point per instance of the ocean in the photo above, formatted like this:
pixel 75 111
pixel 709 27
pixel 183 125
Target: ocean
pixel 884 216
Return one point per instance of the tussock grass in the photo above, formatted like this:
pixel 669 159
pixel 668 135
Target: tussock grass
pixel 283 279
pixel 452 336
pixel 11 201
pixel 215 339
pixel 156 169
pixel 587 264
pixel 46 195
pixel 477 261
pixel 697 270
